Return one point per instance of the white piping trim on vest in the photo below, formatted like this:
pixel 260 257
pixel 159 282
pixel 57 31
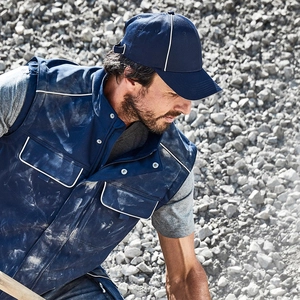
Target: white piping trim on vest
pixel 35 168
pixel 97 276
pixel 120 211
pixel 63 94
pixel 170 44
pixel 169 151
pixel 100 276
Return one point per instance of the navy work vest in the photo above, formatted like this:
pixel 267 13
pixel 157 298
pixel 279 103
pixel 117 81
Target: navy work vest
pixel 63 208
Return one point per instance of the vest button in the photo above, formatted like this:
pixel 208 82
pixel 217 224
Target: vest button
pixel 155 165
pixel 124 171
pixel 99 141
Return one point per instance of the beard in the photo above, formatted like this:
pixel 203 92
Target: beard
pixel 130 108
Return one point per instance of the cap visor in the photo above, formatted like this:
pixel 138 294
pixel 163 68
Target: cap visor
pixel 190 85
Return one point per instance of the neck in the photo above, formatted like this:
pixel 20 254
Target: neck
pixel 111 92
pixel 114 91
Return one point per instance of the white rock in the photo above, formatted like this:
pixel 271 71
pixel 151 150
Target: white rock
pixel 123 288
pixel 231 170
pixel 264 215
pixel 218 117
pixel 159 294
pixel 223 281
pixel 132 252
pixel 277 292
pixel 256 197
pixel 234 270
pixel 230 297
pixel 236 129
pixel 214 147
pixel 242 180
pixel 270 68
pixel 230 210
pixel 191 116
pixel 109 26
pixel 290 175
pixel 120 257
pixel 204 232
pixel 144 268
pixel 2 65
pixel 272 183
pixel 199 120
pixel 252 289
pixel 229 189
pixel 297 227
pixel 136 280
pixel 137 260
pixel 268 247
pixel 254 247
pixel 248 268
pixel 129 270
pixel 19 28
pixel 135 243
pixel 116 271
pixel 191 136
pixel 207 253
pixel 264 260
pixel 87 35
pixel 288 72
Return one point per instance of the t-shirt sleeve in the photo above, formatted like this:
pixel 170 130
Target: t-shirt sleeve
pixel 13 86
pixel 175 219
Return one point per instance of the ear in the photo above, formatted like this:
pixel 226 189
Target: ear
pixel 130 82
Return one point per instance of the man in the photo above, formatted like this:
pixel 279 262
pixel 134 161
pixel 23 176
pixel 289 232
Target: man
pixel 86 152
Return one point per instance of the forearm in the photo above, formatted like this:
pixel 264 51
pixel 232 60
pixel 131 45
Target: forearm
pixel 186 278
pixel 194 286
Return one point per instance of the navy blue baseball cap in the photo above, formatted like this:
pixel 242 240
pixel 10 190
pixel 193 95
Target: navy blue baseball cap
pixel 170 44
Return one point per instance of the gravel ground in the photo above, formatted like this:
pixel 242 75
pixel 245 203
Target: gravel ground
pixel 247 183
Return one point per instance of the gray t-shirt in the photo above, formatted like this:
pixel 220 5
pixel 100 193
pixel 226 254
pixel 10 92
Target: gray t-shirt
pixel 173 220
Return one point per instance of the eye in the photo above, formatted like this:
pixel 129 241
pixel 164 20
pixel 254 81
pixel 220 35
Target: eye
pixel 173 95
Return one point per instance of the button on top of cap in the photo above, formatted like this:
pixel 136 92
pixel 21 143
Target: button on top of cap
pixel 171 12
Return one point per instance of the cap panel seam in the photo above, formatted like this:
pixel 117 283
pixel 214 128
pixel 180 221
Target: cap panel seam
pixel 170 44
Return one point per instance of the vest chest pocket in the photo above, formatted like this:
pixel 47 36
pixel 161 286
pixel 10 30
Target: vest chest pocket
pixel 127 201
pixel 50 164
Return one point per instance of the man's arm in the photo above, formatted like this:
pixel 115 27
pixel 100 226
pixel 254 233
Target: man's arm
pixel 186 278
pixel 13 86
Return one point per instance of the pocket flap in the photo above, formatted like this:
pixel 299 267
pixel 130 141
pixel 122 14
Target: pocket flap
pixel 53 165
pixel 127 201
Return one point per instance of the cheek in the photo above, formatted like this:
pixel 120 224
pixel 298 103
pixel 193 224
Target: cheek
pixel 154 102
pixel 157 109
pixel 159 104
pixel 148 104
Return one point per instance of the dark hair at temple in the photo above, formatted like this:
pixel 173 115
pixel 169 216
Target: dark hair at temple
pixel 115 64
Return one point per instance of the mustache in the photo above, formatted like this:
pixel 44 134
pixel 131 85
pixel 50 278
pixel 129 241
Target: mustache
pixel 172 114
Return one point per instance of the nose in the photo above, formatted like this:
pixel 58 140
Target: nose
pixel 184 106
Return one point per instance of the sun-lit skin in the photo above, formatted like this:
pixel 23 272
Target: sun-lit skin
pixel 156 106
